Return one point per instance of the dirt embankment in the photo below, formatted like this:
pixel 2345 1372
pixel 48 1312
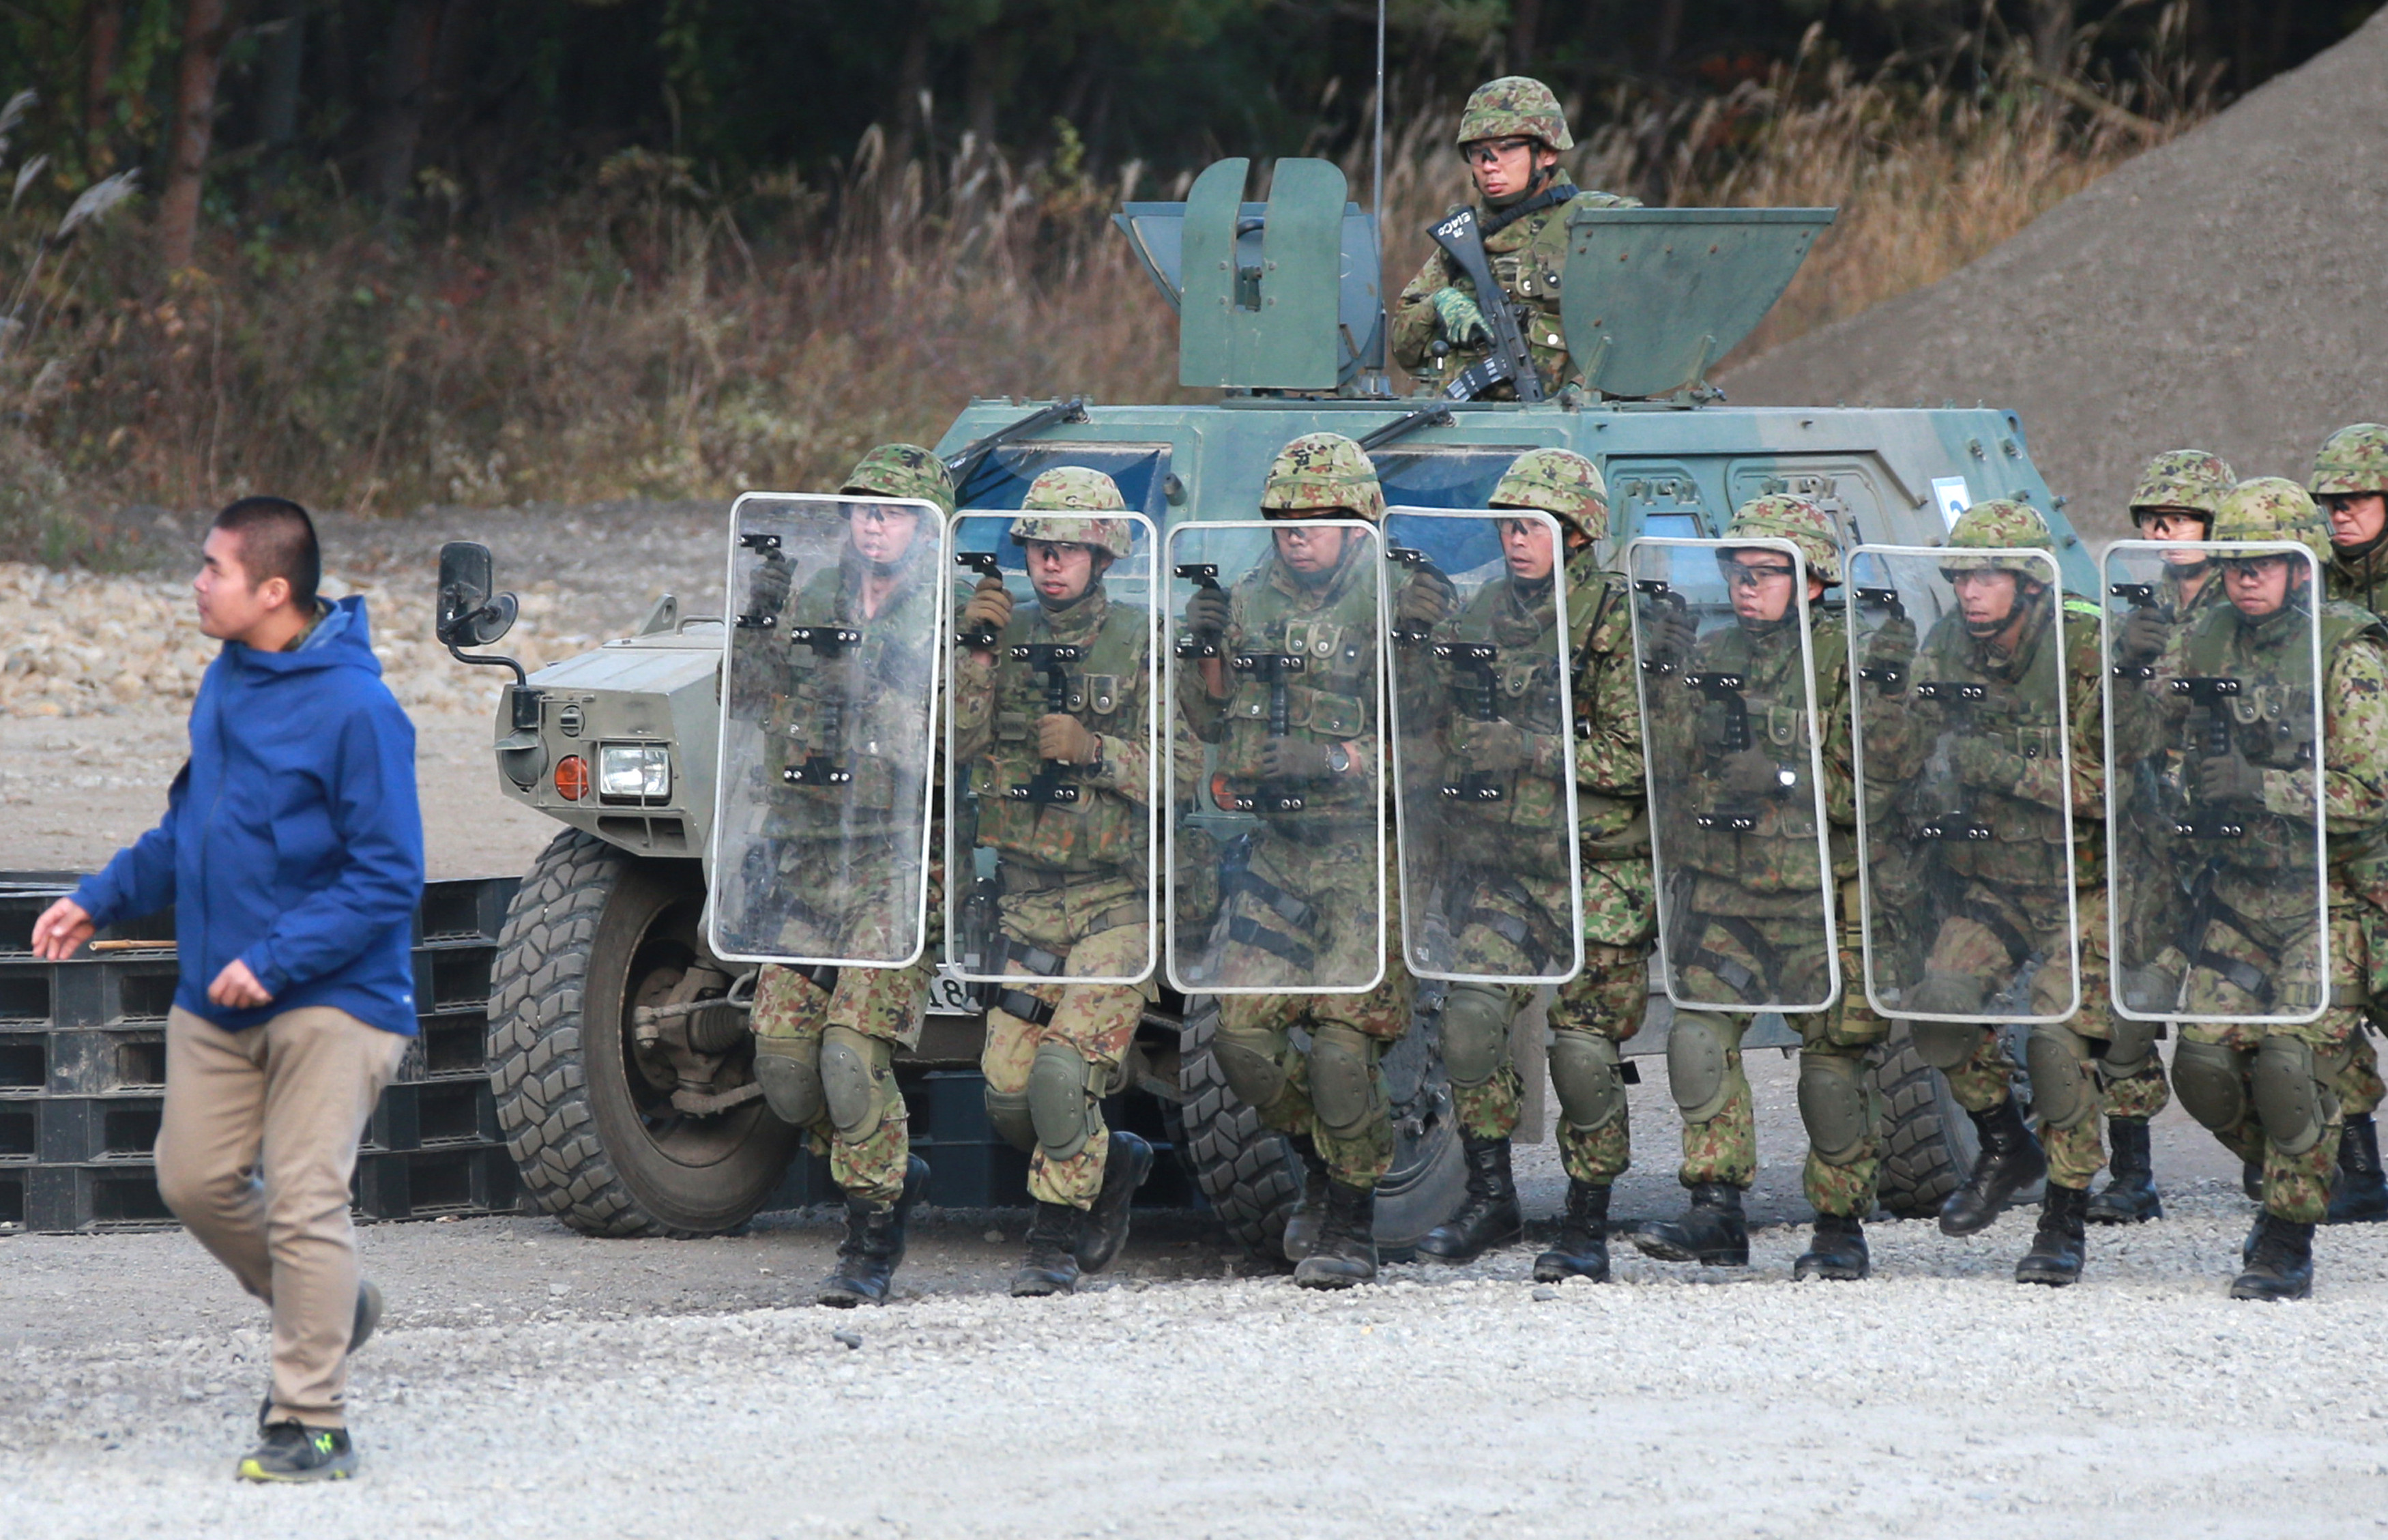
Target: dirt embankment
pixel 2223 292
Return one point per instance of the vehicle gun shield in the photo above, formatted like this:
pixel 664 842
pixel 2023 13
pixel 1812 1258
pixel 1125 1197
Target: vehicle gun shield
pixel 1965 790
pixel 1735 760
pixel 1483 751
pixel 2220 897
pixel 1018 823
pixel 1276 835
pixel 836 630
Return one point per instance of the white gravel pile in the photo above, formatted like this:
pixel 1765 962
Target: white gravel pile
pixel 1938 1399
pixel 77 643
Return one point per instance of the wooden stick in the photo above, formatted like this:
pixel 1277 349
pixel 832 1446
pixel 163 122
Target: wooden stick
pixel 166 946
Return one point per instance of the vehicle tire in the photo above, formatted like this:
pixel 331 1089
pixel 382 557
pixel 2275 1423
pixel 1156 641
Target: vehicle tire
pixel 1928 1143
pixel 1247 1172
pixel 597 1145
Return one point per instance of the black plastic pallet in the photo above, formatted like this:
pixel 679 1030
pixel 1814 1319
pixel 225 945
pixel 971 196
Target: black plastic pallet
pixel 79 1131
pixel 433 1112
pixel 61 1199
pixel 423 1184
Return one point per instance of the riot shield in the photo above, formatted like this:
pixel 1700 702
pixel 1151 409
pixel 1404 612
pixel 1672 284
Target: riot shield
pixel 1275 857
pixel 1483 769
pixel 1043 853
pixel 837 614
pixel 1729 724
pixel 2214 812
pixel 1965 789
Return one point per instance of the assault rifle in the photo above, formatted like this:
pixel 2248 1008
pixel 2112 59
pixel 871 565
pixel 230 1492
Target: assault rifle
pixel 1509 360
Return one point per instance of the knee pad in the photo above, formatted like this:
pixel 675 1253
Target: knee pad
pixel 1013 1122
pixel 2058 1057
pixel 789 1072
pixel 1583 1072
pixel 1475 1033
pixel 1833 1109
pixel 1699 1046
pixel 2290 1094
pixel 1060 1092
pixel 1253 1061
pixel 2208 1076
pixel 2131 1049
pixel 851 1065
pixel 1343 1080
pixel 1945 994
pixel 1946 1046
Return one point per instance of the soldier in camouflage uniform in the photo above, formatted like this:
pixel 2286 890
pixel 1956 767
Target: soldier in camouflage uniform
pixel 1301 899
pixel 2350 481
pixel 1520 919
pixel 1749 922
pixel 2177 498
pixel 2268 1091
pixel 825 1039
pixel 2002 901
pixel 1074 879
pixel 1511 135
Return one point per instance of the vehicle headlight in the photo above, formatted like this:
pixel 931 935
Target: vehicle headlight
pixel 643 770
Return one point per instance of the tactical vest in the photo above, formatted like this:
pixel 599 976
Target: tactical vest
pixel 1779 854
pixel 2361 581
pixel 2022 711
pixel 1525 693
pixel 1102 829
pixel 862 710
pixel 1333 700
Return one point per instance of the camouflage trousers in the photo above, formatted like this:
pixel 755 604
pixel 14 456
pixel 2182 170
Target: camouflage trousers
pixel 2296 1187
pixel 1342 942
pixel 794 1007
pixel 1790 963
pixel 1607 998
pixel 1093 1022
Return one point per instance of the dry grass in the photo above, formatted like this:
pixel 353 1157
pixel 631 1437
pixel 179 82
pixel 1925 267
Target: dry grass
pixel 647 336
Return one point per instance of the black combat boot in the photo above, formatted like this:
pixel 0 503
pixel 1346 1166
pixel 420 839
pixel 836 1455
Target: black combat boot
pixel 1712 1232
pixel 2360 1196
pixel 2282 1266
pixel 1049 1268
pixel 2250 1180
pixel 1582 1249
pixel 2011 1161
pixel 1490 1216
pixel 1838 1251
pixel 1310 1210
pixel 1345 1251
pixel 874 1245
pixel 2057 1247
pixel 2130 1195
pixel 1102 1229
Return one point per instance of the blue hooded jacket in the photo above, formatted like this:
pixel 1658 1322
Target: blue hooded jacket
pixel 292 839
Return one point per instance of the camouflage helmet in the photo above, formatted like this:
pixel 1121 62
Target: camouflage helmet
pixel 2183 478
pixel 1325 470
pixel 2001 523
pixel 2352 459
pixel 2273 508
pixel 903 470
pixel 1070 489
pixel 1514 106
pixel 1561 483
pixel 1781 516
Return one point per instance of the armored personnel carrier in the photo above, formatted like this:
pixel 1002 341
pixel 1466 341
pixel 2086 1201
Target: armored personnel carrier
pixel 619 1041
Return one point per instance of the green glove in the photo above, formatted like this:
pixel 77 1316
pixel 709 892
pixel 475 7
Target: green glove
pixel 1462 323
pixel 2141 639
pixel 2229 778
pixel 1294 759
pixel 1752 773
pixel 1982 762
pixel 1494 747
pixel 1427 600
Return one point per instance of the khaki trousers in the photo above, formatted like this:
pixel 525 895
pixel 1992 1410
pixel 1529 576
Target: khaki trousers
pixel 254 1155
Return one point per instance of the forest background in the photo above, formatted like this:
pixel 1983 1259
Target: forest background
pixel 377 253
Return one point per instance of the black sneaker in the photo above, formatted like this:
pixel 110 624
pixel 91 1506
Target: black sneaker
pixel 294 1452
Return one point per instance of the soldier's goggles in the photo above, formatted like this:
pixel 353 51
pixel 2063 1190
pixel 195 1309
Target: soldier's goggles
pixel 2338 502
pixel 1484 152
pixel 1752 574
pixel 2253 566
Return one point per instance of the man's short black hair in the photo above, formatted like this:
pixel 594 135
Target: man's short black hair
pixel 277 539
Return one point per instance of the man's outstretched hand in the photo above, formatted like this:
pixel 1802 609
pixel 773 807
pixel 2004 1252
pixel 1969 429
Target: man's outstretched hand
pixel 237 988
pixel 61 931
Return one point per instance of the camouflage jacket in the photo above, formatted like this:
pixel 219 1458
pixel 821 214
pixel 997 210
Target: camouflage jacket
pixel 2361 580
pixel 1528 260
pixel 997 703
pixel 867 709
pixel 2000 760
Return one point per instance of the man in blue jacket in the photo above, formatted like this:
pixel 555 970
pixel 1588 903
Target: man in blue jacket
pixel 292 853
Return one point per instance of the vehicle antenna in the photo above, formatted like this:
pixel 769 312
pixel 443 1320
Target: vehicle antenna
pixel 1376 195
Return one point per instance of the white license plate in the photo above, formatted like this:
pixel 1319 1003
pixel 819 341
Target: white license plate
pixel 948 996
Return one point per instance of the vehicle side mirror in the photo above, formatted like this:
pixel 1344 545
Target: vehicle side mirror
pixel 470 615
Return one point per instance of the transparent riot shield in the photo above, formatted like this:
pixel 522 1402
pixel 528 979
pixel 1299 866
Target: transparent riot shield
pixel 828 751
pixel 1964 788
pixel 2213 810
pixel 1042 854
pixel 1275 856
pixel 1736 762
pixel 1483 768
